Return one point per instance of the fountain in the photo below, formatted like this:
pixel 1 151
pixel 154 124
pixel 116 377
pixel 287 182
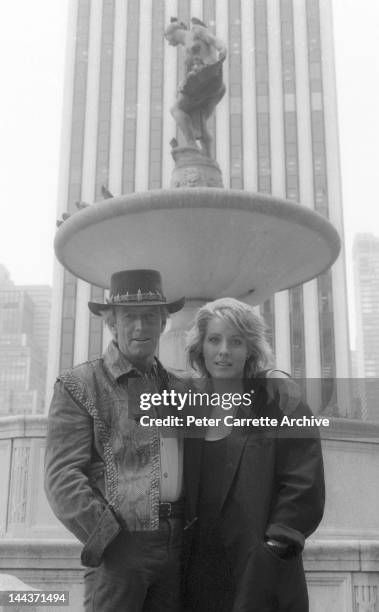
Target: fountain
pixel 207 241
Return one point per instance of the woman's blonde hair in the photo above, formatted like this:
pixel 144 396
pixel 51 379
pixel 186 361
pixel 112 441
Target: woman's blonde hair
pixel 250 325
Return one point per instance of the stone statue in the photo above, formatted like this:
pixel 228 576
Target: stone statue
pixel 202 87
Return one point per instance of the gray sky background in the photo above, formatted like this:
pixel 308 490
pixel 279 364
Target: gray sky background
pixel 32 53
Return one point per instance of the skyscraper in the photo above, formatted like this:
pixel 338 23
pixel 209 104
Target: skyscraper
pixel 366 278
pixel 41 298
pixel 24 330
pixel 275 132
pixel 22 367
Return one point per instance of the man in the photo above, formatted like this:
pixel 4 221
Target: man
pixel 116 484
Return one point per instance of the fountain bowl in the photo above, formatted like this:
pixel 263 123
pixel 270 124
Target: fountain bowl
pixel 206 242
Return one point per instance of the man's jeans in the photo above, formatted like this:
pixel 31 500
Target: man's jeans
pixel 140 572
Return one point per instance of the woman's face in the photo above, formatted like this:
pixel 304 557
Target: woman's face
pixel 224 349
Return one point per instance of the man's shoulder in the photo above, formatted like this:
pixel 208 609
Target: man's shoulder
pixel 176 373
pixel 80 382
pixel 176 377
pixel 81 371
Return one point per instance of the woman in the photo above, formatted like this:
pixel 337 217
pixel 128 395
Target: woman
pixel 253 493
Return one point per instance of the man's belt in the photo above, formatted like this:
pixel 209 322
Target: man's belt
pixel 173 510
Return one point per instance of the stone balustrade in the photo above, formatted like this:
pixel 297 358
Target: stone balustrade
pixel 341 559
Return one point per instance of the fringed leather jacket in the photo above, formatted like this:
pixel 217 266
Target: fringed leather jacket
pixel 102 470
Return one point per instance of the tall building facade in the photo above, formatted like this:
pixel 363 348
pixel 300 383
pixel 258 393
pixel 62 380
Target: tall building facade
pixel 5 279
pixel 41 298
pixel 24 331
pixel 366 280
pixel 275 132
pixel 22 367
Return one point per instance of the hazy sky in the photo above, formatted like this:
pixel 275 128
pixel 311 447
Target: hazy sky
pixel 32 50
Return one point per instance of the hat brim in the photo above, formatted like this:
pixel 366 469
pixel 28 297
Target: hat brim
pixel 174 306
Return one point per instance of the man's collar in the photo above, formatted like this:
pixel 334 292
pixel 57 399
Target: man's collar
pixel 118 365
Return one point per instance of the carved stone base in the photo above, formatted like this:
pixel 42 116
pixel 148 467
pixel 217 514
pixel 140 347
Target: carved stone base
pixel 193 169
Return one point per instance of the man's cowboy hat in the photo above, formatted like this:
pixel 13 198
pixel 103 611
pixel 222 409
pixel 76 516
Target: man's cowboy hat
pixel 136 288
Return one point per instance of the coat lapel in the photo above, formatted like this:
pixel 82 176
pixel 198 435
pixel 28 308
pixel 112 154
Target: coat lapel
pixel 235 445
pixel 193 451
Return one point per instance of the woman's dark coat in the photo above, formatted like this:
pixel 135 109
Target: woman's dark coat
pixel 273 488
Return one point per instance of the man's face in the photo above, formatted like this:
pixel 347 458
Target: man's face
pixel 137 330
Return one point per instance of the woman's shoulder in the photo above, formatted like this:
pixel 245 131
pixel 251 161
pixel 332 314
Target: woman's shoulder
pixel 199 383
pixel 280 389
pixel 183 380
pixel 273 373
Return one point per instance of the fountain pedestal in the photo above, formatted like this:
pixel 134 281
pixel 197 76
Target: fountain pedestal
pixel 193 169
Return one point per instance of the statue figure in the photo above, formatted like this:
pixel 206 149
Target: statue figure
pixel 202 87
